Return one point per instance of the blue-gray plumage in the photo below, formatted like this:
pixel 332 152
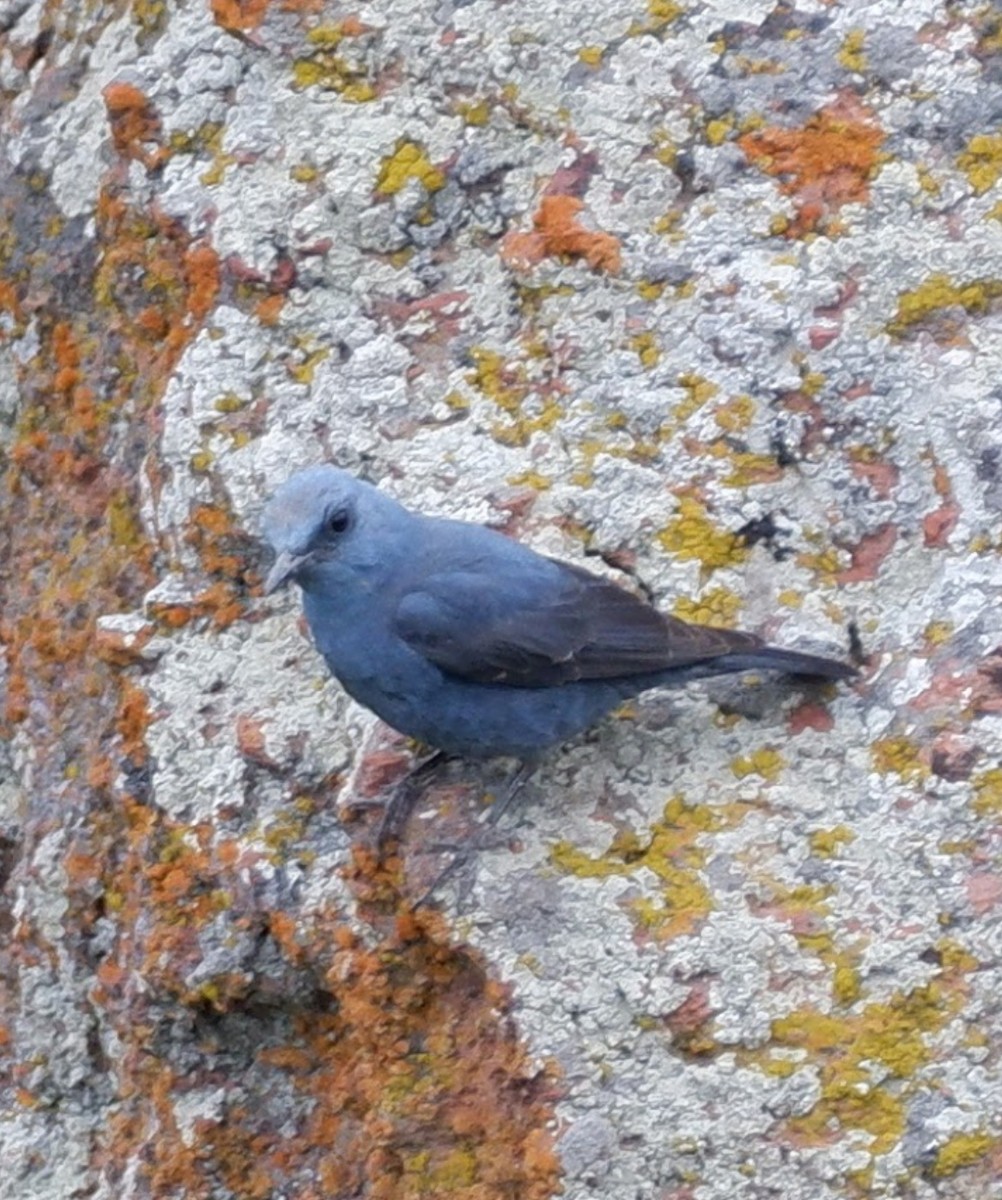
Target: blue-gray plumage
pixel 471 642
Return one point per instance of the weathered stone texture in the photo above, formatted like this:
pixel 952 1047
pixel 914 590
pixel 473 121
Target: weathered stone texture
pixel 706 295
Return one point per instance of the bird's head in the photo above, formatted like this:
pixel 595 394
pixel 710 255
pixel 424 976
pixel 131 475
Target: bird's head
pixel 323 515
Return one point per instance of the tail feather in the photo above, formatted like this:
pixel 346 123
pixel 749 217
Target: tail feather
pixel 790 662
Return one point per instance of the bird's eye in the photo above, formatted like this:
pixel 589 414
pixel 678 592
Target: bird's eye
pixel 338 521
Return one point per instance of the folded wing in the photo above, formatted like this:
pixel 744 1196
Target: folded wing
pixel 552 625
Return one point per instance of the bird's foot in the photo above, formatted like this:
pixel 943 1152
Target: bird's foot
pixel 400 805
pixel 489 838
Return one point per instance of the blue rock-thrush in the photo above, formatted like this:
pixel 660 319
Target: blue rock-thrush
pixel 471 642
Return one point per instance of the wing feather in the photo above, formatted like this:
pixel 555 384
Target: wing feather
pixel 560 624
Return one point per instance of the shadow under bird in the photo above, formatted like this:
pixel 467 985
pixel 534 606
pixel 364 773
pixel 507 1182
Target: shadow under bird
pixel 471 642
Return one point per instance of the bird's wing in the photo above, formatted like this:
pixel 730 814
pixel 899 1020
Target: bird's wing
pixel 550 625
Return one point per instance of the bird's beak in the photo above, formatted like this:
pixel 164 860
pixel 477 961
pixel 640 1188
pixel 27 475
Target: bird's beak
pixel 284 567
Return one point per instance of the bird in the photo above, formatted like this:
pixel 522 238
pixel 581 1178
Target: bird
pixel 471 642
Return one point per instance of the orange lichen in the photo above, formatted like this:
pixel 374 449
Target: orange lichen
pixel 132 721
pixel 826 163
pixel 72 545
pixel 65 558
pixel 201 266
pixel 134 124
pixel 388 1040
pixel 226 553
pixel 269 309
pixel 402 1041
pixel 239 15
pixel 557 233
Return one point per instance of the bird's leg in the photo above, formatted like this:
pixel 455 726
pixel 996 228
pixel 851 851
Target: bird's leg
pixel 516 782
pixel 401 803
pixel 513 790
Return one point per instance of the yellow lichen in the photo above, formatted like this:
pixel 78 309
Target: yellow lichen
pixel 750 468
pixel 736 415
pixel 955 957
pixel 665 10
pixel 645 346
pixel 668 224
pixel 209 139
pixel 890 1035
pixel 282 833
pixel 825 843
pixel 476 113
pixel 851 55
pixel 718 130
pixel 149 15
pixel 718 607
pixel 532 479
pixel 962 1150
pixel 693 536
pixel 324 68
pixel 927 181
pixel 938 633
pixel 591 55
pixel 825 564
pixel 456 401
pixel 123 526
pixel 327 37
pixel 408 161
pixel 806 909
pixel 988 792
pixel 898 756
pixel 981 161
pixel 937 294
pixel 756 66
pixel 334 75
pixel 304 370
pixel 506 385
pixel 665 150
pixel 700 391
pixel 777 1063
pixel 766 762
pixel 660 15
pixel 495 378
pixel 229 402
pixel 673 853
pixel 846 984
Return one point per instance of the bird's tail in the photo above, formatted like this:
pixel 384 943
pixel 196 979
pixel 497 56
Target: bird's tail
pixel 790 662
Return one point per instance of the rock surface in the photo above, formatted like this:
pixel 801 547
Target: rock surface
pixel 704 295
